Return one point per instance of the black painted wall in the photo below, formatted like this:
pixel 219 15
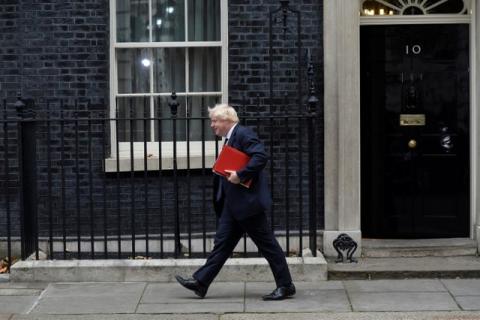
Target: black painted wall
pixel 52 49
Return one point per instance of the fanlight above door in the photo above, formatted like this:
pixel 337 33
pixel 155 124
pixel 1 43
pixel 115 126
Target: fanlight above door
pixel 414 7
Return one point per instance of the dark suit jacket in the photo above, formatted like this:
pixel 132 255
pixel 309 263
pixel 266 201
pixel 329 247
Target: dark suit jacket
pixel 240 201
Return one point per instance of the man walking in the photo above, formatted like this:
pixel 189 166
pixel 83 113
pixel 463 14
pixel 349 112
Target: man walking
pixel 241 210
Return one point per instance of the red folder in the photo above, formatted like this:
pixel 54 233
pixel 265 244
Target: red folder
pixel 231 159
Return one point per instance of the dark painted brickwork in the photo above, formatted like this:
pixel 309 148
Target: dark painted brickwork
pixel 65 46
pixel 48 49
pixel 249 79
pixel 249 48
pixel 9 48
pixel 59 49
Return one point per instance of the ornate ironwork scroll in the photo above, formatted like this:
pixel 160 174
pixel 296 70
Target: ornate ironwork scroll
pixel 345 243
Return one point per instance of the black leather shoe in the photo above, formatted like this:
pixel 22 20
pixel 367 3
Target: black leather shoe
pixel 192 284
pixel 280 293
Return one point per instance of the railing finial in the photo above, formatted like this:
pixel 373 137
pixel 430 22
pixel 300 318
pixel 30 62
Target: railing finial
pixel 312 98
pixel 19 104
pixel 173 104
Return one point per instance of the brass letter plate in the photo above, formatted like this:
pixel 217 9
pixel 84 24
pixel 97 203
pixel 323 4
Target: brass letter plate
pixel 412 119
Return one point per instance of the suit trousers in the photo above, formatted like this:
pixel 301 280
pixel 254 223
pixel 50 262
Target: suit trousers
pixel 228 234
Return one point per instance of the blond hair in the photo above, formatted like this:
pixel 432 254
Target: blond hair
pixel 224 112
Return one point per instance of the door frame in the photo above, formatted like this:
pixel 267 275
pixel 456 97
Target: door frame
pixel 342 184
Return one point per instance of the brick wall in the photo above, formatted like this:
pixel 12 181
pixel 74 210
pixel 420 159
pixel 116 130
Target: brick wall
pixel 249 80
pixel 59 49
pixel 249 48
pixel 65 48
pixel 9 49
pixel 49 49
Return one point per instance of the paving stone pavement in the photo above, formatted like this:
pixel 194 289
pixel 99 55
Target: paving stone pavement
pixel 437 299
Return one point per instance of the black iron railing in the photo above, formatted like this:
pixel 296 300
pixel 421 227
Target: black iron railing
pixel 136 181
pixel 74 187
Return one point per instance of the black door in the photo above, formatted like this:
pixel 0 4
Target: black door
pixel 415 131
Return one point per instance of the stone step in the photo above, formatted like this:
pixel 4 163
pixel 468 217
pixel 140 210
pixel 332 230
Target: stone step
pixel 4 277
pixel 391 248
pixel 236 269
pixel 406 267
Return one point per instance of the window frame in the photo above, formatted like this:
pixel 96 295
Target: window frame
pixel 125 162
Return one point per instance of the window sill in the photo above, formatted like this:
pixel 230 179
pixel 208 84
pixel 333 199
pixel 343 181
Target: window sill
pixel 201 156
pixel 125 164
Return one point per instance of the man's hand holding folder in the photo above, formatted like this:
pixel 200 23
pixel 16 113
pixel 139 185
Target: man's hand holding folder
pixel 233 177
pixel 231 160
